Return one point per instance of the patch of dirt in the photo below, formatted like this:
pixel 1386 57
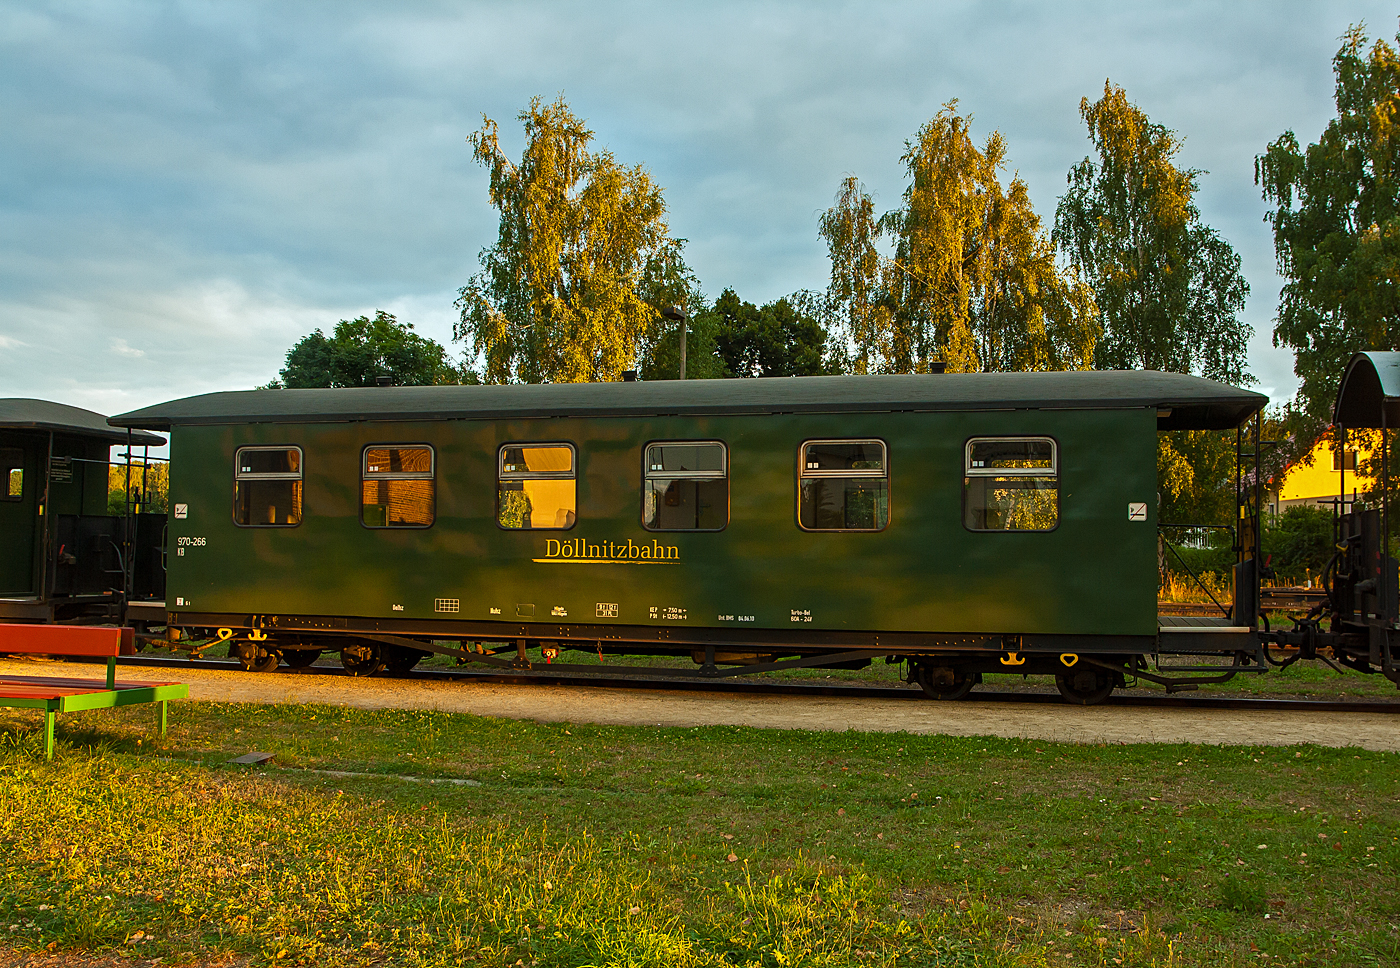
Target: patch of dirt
pixel 644 707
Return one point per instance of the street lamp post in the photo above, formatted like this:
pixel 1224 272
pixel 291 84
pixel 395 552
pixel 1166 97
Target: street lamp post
pixel 676 314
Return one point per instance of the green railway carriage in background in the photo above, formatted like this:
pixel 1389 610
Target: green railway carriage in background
pixel 63 558
pixel 963 523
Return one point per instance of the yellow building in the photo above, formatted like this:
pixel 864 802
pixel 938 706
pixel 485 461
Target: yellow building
pixel 1317 484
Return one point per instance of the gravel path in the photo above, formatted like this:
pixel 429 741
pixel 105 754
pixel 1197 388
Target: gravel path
pixel 634 707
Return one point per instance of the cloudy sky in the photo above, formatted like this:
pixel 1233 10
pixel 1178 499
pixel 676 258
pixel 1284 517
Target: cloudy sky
pixel 188 188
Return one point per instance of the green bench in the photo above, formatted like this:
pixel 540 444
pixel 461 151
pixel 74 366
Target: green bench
pixel 55 694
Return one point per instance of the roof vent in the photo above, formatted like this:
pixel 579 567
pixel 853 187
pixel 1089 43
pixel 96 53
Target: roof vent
pixel 383 380
pixel 937 366
pixel 629 376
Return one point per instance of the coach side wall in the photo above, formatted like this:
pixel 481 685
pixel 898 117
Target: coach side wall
pixel 1094 574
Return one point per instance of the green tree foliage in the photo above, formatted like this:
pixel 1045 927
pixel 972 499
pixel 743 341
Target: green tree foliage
pixel 1336 226
pixel 569 291
pixel 1196 470
pixel 1168 288
pixel 145 486
pixel 1196 478
pixel 1299 543
pixel 361 350
pixel 856 291
pixel 661 353
pixel 734 338
pixel 776 339
pixel 972 280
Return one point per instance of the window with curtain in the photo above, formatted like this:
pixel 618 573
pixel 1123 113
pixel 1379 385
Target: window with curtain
pixel 267 487
pixel 536 487
pixel 397 486
pixel 685 486
pixel 843 485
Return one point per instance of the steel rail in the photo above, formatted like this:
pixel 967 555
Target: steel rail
pixel 769 688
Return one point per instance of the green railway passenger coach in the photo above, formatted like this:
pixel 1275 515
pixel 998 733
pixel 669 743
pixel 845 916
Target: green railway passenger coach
pixel 962 522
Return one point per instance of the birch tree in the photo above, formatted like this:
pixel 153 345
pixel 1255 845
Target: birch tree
pixel 1168 287
pixel 582 261
pixel 972 279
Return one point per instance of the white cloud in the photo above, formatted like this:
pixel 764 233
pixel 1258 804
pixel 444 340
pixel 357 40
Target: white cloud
pixel 206 184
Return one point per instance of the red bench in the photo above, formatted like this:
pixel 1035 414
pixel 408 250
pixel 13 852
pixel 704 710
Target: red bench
pixel 56 695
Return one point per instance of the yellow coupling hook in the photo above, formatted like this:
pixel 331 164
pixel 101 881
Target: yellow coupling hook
pixel 1069 659
pixel 1012 659
pixel 257 635
pixel 225 634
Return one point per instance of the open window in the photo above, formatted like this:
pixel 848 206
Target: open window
pixel 536 487
pixel 11 474
pixel 397 486
pixel 843 485
pixel 686 486
pixel 1011 484
pixel 267 487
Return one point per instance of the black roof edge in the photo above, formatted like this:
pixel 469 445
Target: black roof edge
pixel 46 416
pixel 1183 402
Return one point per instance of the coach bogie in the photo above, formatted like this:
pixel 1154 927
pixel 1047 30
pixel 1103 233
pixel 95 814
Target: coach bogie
pixel 255 656
pixel 399 658
pixel 1087 686
pixel 361 658
pixel 943 681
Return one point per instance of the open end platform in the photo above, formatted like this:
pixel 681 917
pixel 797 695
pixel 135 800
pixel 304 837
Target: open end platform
pixel 1202 634
pixel 1198 623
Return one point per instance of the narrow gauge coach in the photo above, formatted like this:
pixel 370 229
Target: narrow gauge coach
pixel 63 558
pixel 958 523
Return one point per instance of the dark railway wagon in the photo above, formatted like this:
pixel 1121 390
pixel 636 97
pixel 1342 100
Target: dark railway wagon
pixel 963 523
pixel 62 556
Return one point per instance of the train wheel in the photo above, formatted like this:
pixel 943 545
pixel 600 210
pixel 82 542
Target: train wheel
pixel 1088 687
pixel 946 682
pixel 400 658
pixel 361 660
pixel 252 658
pixel 300 658
pixel 262 661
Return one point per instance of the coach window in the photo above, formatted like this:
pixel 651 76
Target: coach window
pixel 1011 484
pixel 267 487
pixel 397 489
pixel 11 473
pixel 686 487
pixel 536 486
pixel 844 485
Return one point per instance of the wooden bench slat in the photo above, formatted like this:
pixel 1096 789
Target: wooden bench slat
pixel 41 692
pixel 61 681
pixel 55 692
pixel 97 640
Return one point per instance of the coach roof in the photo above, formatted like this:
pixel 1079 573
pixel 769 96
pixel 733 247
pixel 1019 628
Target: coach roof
pixel 1369 394
pixel 26 413
pixel 1183 402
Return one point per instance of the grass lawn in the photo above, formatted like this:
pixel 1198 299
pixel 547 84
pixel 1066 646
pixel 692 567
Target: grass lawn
pixel 517 843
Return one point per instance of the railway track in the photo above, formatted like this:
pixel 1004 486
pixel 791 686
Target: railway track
pixel 770 688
